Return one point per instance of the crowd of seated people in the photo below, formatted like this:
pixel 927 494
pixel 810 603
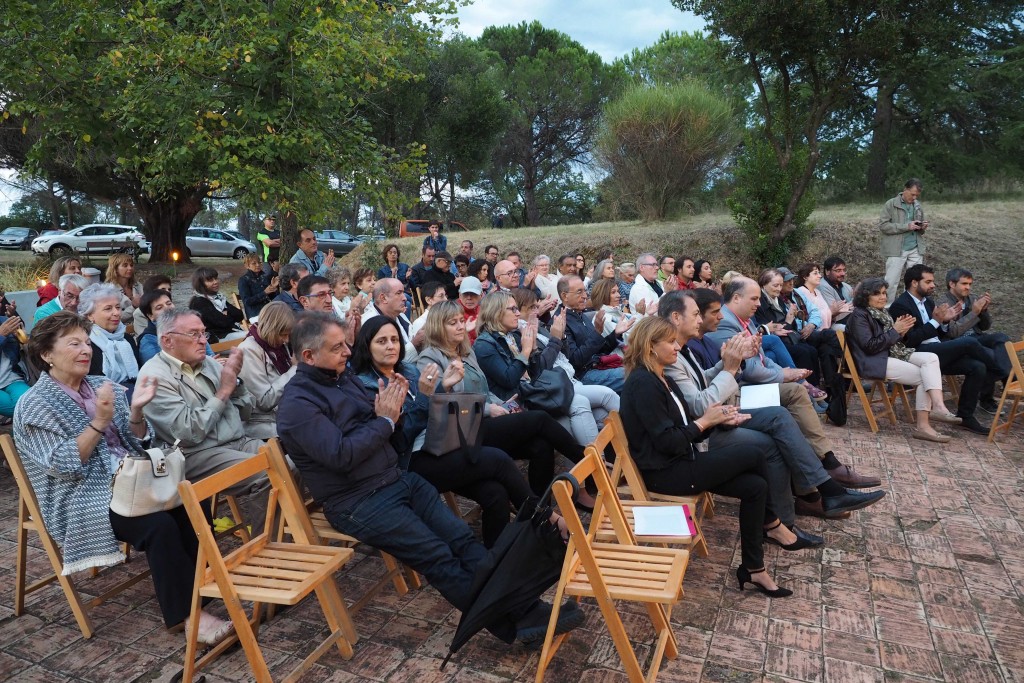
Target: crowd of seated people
pixel 337 368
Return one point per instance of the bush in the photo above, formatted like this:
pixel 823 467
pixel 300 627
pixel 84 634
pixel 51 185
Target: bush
pixel 660 142
pixel 759 199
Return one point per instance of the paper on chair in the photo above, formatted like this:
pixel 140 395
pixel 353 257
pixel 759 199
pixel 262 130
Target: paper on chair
pixel 759 396
pixel 662 520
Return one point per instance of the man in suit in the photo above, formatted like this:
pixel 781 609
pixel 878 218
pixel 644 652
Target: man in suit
pixel 902 225
pixel 742 297
pixel 583 343
pixel 930 333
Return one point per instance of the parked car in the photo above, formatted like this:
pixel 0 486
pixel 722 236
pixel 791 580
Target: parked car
pixel 338 240
pixel 416 227
pixel 210 242
pixel 95 238
pixel 17 238
pixel 48 233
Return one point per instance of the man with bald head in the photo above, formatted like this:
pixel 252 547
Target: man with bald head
pixel 506 275
pixel 389 300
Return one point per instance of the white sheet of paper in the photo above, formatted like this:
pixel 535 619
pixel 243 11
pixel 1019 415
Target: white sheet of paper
pixel 759 396
pixel 660 520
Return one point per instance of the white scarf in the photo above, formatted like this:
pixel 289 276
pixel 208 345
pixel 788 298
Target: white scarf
pixel 119 362
pixel 218 300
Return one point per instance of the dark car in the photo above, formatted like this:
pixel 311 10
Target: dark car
pixel 17 238
pixel 338 240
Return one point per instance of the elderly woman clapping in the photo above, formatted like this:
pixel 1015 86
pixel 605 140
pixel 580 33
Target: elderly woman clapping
pixel 73 431
pixel 115 355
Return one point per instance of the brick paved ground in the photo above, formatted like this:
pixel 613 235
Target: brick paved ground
pixel 925 586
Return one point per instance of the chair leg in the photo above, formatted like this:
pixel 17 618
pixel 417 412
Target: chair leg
pixel 395 570
pixel 887 402
pixel 552 642
pixel 20 566
pixel 192 632
pixel 337 617
pixel 865 402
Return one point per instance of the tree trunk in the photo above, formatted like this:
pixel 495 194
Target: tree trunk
pixel 531 212
pixel 166 221
pixel 70 207
pixel 356 203
pixel 54 202
pixel 289 226
pixel 451 190
pixel 881 135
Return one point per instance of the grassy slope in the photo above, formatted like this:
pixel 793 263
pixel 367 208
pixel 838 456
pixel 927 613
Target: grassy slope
pixel 986 237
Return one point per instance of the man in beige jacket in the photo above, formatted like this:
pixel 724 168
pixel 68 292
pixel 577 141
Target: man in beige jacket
pixel 902 225
pixel 200 403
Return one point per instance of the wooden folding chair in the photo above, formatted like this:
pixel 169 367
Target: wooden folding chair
pixel 621 570
pixel 624 467
pixel 31 519
pixel 1013 390
pixel 237 303
pixel 867 400
pixel 225 346
pixel 953 382
pixel 321 532
pixel 262 571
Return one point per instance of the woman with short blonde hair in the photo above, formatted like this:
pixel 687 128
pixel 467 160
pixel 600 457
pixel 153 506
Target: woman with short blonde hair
pixel 267 366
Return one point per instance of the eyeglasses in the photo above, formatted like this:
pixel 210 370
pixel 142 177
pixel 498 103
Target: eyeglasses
pixel 492 253
pixel 320 295
pixel 194 336
pixel 646 264
pixel 513 309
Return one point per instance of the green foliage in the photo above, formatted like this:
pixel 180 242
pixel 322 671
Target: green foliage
pixel 167 102
pixel 660 142
pixel 760 201
pixel 679 57
pixel 555 89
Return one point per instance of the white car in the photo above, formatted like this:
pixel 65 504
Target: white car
pixel 213 242
pixel 96 238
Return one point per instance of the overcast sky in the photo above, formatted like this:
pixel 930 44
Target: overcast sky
pixel 611 28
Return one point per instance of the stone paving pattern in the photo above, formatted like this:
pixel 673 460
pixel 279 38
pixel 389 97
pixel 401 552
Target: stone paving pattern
pixel 925 586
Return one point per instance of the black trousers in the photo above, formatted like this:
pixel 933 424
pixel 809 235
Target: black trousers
pixel 819 353
pixel 965 356
pixel 535 436
pixel 486 475
pixel 735 471
pixel 172 548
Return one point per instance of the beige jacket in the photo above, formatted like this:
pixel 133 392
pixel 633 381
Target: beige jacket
pixel 265 385
pixel 179 411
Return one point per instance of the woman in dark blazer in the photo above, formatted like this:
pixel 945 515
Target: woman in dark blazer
pixel 664 439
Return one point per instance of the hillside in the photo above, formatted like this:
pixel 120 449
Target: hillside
pixel 986 237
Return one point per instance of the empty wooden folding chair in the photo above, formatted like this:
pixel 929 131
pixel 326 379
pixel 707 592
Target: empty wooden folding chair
pixel 621 570
pixel 1013 392
pixel 867 400
pixel 30 519
pixel 625 468
pixel 263 571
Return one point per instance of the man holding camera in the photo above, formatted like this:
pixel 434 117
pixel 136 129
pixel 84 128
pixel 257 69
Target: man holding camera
pixel 902 225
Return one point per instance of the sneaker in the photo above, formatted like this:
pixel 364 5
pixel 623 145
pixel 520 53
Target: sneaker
pixel 819 407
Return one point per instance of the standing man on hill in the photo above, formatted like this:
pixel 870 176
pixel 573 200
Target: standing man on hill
pixel 270 237
pixel 902 225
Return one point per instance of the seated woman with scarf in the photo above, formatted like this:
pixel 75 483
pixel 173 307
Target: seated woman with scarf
pixel 114 354
pixel 220 317
pixel 267 366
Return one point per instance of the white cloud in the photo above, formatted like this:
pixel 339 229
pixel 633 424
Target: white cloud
pixel 611 28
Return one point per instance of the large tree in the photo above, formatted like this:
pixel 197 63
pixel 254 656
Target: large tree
pixel 555 89
pixel 167 102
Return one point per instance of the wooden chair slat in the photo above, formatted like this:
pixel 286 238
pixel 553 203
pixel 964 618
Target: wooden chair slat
pixel 1013 392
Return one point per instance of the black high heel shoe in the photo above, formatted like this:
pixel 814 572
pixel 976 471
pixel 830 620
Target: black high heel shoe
pixel 803 539
pixel 743 576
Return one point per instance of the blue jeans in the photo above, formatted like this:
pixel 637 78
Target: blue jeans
pixel 408 520
pixel 614 379
pixel 776 349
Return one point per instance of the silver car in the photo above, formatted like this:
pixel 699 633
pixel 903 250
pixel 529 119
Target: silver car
pixel 213 242
pixel 95 238
pixel 17 238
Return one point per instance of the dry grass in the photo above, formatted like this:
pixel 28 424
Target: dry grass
pixel 986 237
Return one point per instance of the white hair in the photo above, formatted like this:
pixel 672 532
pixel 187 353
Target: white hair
pixel 93 294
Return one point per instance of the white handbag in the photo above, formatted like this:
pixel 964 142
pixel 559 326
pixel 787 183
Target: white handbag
pixel 144 484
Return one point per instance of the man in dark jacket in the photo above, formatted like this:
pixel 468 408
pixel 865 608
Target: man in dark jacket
pixel 339 438
pixel 930 333
pixel 583 344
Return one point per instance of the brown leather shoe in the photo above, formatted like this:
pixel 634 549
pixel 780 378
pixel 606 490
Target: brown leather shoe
pixel 815 509
pixel 845 476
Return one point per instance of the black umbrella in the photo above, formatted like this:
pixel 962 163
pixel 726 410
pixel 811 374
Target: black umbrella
pixel 525 561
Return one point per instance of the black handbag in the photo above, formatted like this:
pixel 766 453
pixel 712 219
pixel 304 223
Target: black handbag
pixel 551 391
pixel 453 422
